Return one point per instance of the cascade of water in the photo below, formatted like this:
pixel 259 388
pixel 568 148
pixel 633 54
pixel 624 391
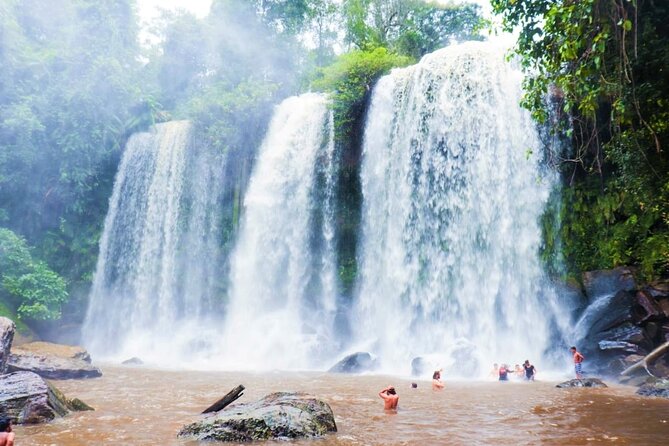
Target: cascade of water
pixel 283 283
pixel 453 191
pixel 159 253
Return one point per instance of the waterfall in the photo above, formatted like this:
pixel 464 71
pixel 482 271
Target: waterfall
pixel 157 273
pixel 453 190
pixel 283 275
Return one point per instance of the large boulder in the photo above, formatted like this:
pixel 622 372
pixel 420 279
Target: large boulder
pixel 7 329
pixel 60 350
pixel 585 382
pixel 27 399
pixel 277 416
pixel 608 319
pixel 356 363
pixel 420 366
pixel 608 281
pixel 50 366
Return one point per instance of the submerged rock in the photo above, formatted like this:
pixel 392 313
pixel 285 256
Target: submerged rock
pixel 7 329
pixel 356 363
pixel 133 361
pixel 27 399
pixel 659 388
pixel 50 366
pixel 59 350
pixel 279 415
pixel 585 382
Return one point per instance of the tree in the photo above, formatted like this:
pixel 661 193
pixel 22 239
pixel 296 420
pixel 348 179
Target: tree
pixel 604 65
pixel 32 289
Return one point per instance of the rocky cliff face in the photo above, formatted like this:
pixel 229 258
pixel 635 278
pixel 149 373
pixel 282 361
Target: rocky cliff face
pixel 623 322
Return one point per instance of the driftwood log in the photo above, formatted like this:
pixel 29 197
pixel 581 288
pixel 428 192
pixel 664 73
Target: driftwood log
pixel 648 359
pixel 227 399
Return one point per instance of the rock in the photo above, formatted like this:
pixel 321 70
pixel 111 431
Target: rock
pixel 659 289
pixel 27 399
pixel 635 380
pixel 60 350
pixel 51 367
pixel 419 366
pixel 7 329
pixel 133 361
pixel 585 382
pixel 665 332
pixel 664 306
pixel 602 321
pixel 609 281
pixel 659 388
pixel 645 307
pixel 356 363
pixel 620 346
pixel 277 416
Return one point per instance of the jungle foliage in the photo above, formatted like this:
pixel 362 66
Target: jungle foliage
pixel 598 76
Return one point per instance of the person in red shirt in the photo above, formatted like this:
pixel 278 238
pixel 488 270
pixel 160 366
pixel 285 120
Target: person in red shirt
pixel 578 360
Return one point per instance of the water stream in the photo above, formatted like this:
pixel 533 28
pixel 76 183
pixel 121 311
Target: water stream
pixel 155 285
pixel 454 188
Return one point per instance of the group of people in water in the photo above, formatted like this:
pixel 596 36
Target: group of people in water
pixel 501 372
pixel 504 372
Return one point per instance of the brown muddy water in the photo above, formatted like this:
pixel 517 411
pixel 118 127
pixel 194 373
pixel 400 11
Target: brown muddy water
pixel 138 406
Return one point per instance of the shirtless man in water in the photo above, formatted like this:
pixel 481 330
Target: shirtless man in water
pixel 390 398
pixel 6 434
pixel 436 381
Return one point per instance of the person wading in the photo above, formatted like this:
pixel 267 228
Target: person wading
pixel 6 434
pixel 578 360
pixel 530 370
pixel 390 398
pixel 436 381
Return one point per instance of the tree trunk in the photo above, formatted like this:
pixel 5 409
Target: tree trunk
pixel 648 359
pixel 227 399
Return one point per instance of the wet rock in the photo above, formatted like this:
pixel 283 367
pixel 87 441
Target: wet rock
pixel 664 306
pixel 665 332
pixel 626 337
pixel 51 367
pixel 609 281
pixel 659 289
pixel 60 350
pixel 636 380
pixel 7 329
pixel 356 363
pixel 277 416
pixel 645 308
pixel 585 382
pixel 606 319
pixel 659 388
pixel 619 346
pixel 419 366
pixel 133 361
pixel 27 399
